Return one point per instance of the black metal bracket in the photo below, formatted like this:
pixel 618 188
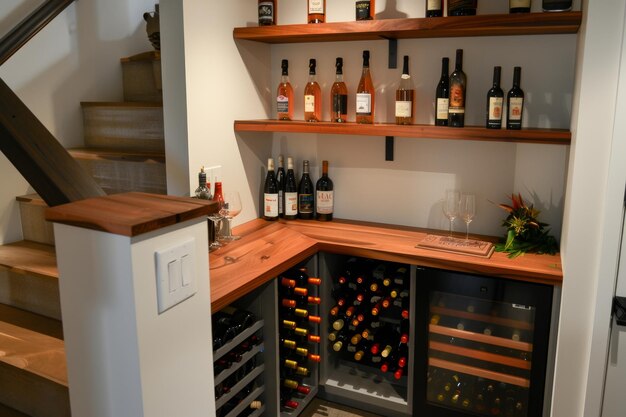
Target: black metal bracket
pixel 393 53
pixel 389 141
pixel 619 310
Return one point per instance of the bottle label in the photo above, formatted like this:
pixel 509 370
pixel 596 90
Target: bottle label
pixel 281 195
pixel 316 6
pixel 495 108
pixel 363 104
pixel 340 104
pixel 434 5
pixel 403 108
pixel 325 202
pixel 309 103
pixel 291 204
pixel 270 205
pixel 519 3
pixel 442 108
pixel 305 203
pixel 362 9
pixel 515 108
pixel 457 99
pixel 266 12
pixel 282 104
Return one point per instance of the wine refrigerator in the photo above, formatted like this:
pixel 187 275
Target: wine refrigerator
pixel 483 343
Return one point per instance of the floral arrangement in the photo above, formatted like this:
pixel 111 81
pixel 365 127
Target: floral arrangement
pixel 524 232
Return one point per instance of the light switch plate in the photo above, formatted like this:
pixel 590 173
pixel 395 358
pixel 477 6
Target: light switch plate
pixel 175 274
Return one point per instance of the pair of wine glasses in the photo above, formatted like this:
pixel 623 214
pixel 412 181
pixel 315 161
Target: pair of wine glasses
pixel 229 207
pixel 458 204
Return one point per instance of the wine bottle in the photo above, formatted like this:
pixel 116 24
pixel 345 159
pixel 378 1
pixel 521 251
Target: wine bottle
pixel 462 7
pixel 442 95
pixel 434 8
pixel 324 198
pixel 284 94
pixel 305 193
pixel 458 82
pixel 339 95
pixel 316 11
pixel 291 192
pixel 296 386
pixel 267 12
pixel 519 6
pixel 365 93
pixel 495 98
pixel 202 191
pixel 364 10
pixel 312 96
pixel 515 102
pixel 280 181
pixel 270 193
pixel 556 5
pixel 405 97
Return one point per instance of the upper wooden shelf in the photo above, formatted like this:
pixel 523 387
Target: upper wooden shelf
pixel 435 27
pixel 547 136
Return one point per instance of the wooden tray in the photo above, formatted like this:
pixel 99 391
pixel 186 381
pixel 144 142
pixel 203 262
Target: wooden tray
pixel 461 246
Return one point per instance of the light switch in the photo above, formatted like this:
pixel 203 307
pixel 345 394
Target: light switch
pixel 175 274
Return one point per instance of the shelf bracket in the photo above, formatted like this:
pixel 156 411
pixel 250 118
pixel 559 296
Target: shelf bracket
pixel 393 53
pixel 389 141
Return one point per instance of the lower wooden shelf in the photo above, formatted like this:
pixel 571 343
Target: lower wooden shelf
pixel 475 133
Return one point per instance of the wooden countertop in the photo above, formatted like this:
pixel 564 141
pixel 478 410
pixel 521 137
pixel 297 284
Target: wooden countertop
pixel 130 214
pixel 268 248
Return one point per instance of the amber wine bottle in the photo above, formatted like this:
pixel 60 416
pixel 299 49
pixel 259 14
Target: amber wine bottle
pixel 312 96
pixel 365 93
pixel 305 193
pixel 284 95
pixel 339 95
pixel 316 11
pixel 324 198
pixel 405 96
pixel 458 82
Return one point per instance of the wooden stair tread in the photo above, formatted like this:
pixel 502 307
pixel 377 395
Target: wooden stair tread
pixel 33 198
pixel 31 321
pixel 118 155
pixel 121 104
pixel 144 56
pixel 29 257
pixel 33 352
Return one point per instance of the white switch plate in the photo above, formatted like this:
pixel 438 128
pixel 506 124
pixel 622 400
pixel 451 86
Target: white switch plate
pixel 175 274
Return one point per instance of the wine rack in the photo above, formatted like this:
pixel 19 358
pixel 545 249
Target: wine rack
pixel 298 300
pixel 239 371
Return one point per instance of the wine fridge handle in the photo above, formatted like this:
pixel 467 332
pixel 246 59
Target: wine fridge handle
pixel 619 310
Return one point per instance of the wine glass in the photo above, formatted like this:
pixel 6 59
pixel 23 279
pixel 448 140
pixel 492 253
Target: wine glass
pixel 467 211
pixel 451 206
pixel 216 219
pixel 229 209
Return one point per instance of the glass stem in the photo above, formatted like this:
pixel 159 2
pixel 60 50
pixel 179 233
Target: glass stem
pixel 466 231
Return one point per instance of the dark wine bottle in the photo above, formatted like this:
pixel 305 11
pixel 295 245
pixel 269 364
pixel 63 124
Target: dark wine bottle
pixel 324 197
pixel 515 102
pixel 462 7
pixel 364 10
pixel 519 6
pixel 495 99
pixel 556 5
pixel 270 193
pixel 291 192
pixel 458 82
pixel 305 193
pixel 442 95
pixel 280 180
pixel 434 8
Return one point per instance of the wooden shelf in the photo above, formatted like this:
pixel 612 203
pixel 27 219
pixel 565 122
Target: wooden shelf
pixel 501 321
pixel 479 372
pixel 546 136
pixel 481 338
pixel 480 355
pixel 441 27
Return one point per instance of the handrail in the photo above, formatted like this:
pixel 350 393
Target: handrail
pixel 30 26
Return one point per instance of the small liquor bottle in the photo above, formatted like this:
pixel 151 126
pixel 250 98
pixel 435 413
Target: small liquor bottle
pixel 312 96
pixel 434 8
pixel 458 82
pixel 405 96
pixel 284 95
pixel 365 93
pixel 495 98
pixel 267 12
pixel 339 96
pixel 364 9
pixel 316 11
pixel 202 191
pixel 442 95
pixel 515 102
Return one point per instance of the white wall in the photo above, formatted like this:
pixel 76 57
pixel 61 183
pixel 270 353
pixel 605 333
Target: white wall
pixel 75 58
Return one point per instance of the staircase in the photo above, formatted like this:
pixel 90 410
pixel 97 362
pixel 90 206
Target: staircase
pixel 124 151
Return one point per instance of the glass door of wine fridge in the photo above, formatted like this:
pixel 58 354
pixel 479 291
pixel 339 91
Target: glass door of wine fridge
pixel 484 344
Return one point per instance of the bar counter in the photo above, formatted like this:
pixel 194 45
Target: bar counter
pixel 268 248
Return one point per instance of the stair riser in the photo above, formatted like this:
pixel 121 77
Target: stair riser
pixel 34 225
pixel 30 292
pixel 124 127
pixel 19 389
pixel 142 80
pixel 117 176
